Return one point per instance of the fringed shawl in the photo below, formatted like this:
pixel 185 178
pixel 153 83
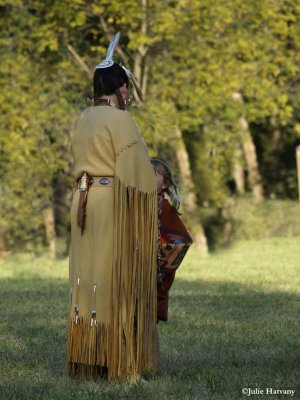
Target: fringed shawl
pixel 135 256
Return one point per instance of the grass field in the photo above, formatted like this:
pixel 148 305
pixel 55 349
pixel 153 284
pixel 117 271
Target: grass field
pixel 234 322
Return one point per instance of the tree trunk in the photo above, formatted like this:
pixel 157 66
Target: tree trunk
pixel 298 168
pixel 145 78
pixel 275 147
pixel 185 172
pixel 251 160
pixel 238 171
pixel 49 223
pixel 62 199
pixel 250 154
pixel 190 200
pixel 140 70
pixel 4 248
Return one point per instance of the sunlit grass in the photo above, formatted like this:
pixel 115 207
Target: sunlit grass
pixel 233 323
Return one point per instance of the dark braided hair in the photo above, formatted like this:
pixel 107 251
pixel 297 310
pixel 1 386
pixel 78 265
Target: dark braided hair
pixel 163 168
pixel 107 81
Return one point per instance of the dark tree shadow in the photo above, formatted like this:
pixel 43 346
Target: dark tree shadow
pixel 220 337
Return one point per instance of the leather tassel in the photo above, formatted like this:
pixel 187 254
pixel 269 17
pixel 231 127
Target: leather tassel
pixel 81 213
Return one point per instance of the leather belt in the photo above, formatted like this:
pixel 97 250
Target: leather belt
pixel 83 185
pixel 98 181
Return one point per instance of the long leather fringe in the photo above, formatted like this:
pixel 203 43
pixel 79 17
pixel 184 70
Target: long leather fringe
pixel 133 330
pixel 87 349
pixel 127 346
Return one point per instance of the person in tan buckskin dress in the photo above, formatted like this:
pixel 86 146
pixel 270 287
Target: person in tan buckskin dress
pixel 113 252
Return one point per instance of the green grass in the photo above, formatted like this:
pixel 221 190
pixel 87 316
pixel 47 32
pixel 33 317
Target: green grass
pixel 234 322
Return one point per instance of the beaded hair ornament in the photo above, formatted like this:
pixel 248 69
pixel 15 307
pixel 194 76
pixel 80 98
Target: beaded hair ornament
pixel 108 62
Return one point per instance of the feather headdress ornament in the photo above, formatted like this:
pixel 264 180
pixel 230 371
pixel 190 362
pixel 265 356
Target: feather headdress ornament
pixel 108 62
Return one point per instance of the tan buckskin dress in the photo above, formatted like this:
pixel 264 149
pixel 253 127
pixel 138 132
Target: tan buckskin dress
pixel 113 265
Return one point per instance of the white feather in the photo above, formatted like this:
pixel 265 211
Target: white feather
pixel 112 46
pixel 108 61
pixel 128 72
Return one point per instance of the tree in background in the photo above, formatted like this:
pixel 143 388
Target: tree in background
pixel 220 81
pixel 38 106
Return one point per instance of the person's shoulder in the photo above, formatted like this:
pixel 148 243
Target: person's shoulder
pixel 124 124
pixel 124 116
pixel 83 116
pixel 104 114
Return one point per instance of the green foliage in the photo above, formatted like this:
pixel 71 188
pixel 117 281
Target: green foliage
pixel 35 122
pixel 248 48
pixel 191 56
